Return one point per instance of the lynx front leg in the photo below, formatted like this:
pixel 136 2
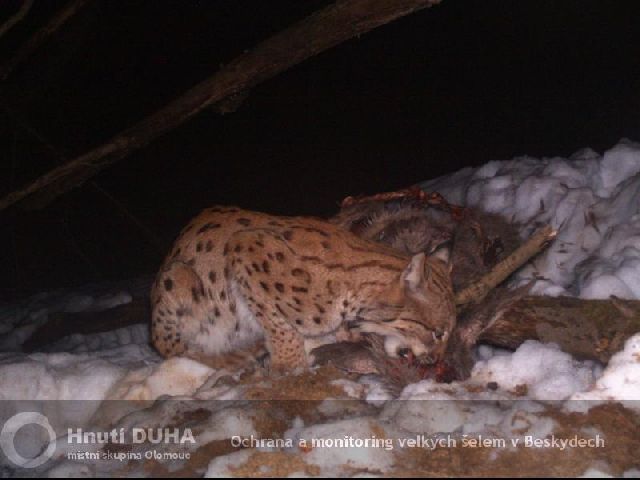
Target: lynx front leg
pixel 286 348
pixel 263 271
pixel 177 310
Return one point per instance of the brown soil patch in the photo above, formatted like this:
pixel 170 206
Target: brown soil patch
pixel 619 427
pixel 274 464
pixel 275 403
pixel 309 385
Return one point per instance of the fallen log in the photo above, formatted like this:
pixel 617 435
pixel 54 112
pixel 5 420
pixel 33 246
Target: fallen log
pixel 587 329
pixel 63 324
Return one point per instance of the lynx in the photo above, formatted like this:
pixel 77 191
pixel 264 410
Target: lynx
pixel 236 278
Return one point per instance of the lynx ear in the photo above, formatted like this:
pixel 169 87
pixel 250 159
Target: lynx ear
pixel 413 276
pixel 442 252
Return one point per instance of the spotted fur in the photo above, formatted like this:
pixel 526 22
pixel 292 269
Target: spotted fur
pixel 236 278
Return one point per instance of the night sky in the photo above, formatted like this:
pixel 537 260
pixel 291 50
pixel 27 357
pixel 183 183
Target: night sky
pixel 452 86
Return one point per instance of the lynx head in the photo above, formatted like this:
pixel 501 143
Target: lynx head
pixel 417 313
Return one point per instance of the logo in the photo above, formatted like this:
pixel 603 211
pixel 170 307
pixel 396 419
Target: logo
pixel 9 431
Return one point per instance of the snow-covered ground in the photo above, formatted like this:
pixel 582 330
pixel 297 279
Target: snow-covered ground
pixel 594 202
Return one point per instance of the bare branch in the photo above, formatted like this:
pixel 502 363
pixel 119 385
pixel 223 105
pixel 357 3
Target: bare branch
pixel 16 17
pixel 320 31
pixel 40 37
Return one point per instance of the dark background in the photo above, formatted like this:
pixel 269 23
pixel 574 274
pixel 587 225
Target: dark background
pixel 456 85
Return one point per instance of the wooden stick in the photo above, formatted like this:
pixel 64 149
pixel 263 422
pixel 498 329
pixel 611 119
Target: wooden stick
pixel 320 31
pixel 475 292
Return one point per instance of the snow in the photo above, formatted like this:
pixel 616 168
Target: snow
pixel 226 424
pixel 549 373
pixel 594 202
pixel 415 414
pixel 19 321
pixel 595 473
pixel 376 393
pixel 621 379
pixel 58 376
pixel 431 408
pixel 175 376
pixel 223 466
